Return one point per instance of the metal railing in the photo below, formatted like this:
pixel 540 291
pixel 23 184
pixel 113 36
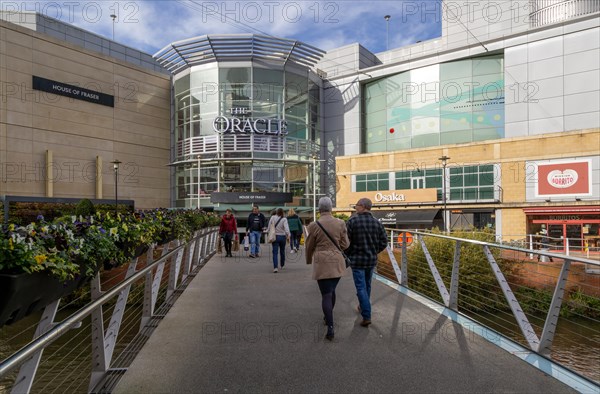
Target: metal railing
pixel 132 318
pixel 551 308
pixel 245 143
pixel 545 12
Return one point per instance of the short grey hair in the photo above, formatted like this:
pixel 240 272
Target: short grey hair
pixel 365 203
pixel 325 204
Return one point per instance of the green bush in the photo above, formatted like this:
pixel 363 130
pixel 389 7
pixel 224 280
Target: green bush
pixel 85 208
pixel 478 287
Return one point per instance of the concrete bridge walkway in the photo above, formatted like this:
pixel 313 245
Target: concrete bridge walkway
pixel 239 327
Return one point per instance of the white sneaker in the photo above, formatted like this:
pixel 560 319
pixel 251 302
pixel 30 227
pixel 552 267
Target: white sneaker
pixel 275 271
pixel 293 251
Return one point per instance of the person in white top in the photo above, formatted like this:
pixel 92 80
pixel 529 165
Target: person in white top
pixel 282 235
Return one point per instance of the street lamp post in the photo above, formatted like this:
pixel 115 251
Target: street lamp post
pixel 387 31
pixel 115 164
pixel 444 159
pixel 113 16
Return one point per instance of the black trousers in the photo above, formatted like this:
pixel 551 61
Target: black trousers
pixel 227 238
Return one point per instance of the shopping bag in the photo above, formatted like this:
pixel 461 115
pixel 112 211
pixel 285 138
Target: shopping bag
pixel 220 245
pixel 236 245
pixel 246 243
pixel 271 237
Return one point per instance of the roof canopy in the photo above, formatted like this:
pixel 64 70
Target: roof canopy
pixel 235 47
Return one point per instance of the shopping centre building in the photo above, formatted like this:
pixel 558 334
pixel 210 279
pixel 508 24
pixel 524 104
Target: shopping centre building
pixel 494 124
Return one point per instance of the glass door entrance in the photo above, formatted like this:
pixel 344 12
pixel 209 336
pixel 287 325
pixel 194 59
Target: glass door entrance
pixel 573 235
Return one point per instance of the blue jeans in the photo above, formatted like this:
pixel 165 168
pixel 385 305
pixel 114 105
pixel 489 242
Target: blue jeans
pixel 295 239
pixel 279 246
pixel 255 242
pixel 362 280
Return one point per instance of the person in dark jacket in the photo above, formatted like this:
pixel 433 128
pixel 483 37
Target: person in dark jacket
pixel 295 225
pixel 228 230
pixel 367 239
pixel 254 228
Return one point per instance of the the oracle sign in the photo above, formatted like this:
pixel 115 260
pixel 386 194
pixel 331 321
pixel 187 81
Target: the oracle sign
pixel 235 125
pixel 562 179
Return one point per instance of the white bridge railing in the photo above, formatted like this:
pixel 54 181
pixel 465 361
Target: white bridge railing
pixel 130 314
pixel 533 302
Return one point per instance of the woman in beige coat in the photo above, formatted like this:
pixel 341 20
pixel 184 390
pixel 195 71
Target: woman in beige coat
pixel 329 264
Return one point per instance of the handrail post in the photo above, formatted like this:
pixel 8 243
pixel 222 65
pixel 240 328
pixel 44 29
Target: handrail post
pixel 28 370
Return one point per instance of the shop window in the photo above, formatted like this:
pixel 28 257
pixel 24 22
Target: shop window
pixel 472 183
pixel 372 182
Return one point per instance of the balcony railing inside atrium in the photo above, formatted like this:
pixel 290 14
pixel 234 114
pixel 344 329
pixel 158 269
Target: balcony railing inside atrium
pixel 245 143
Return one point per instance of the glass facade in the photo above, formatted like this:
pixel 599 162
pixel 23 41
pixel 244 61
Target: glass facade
pixel 447 103
pixel 468 183
pixel 283 99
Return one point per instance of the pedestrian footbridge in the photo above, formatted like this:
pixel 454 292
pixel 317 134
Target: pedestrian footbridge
pixel 220 324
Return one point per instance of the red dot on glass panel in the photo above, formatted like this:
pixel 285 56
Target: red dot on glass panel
pixel 392 130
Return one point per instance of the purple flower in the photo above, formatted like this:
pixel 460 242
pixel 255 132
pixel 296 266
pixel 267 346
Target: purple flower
pixel 102 231
pixel 40 217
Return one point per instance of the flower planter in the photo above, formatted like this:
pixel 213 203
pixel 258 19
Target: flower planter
pixel 24 294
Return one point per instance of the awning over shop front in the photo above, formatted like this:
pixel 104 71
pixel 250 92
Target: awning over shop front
pixel 422 216
pixel 562 210
pixel 414 217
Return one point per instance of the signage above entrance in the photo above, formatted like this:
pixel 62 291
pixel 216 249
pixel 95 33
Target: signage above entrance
pixel 247 125
pixel 251 197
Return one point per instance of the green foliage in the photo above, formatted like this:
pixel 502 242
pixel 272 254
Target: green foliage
pixel 341 216
pixel 534 301
pixel 582 304
pixel 478 287
pixel 85 208
pixel 77 245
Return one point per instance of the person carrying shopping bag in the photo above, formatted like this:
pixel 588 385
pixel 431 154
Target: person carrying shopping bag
pixel 228 231
pixel 279 226
pixel 323 247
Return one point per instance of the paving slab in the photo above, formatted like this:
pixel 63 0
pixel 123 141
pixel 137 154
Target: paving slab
pixel 240 328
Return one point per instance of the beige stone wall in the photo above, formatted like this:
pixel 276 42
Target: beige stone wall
pixel 511 154
pixel 135 131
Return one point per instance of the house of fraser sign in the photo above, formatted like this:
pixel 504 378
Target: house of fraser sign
pixel 240 122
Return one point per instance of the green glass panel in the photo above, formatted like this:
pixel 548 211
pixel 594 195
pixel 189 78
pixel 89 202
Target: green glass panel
pixel 434 181
pixel 471 180
pixel 486 193
pixel 436 172
pixel 371 186
pixel 402 184
pixel 456 170
pixel 456 180
pixel 470 194
pixel 384 185
pixel 456 194
pixel 361 178
pixel 486 179
pixel 361 186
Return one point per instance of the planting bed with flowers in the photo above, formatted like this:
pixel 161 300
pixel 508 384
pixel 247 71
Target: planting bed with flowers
pixel 71 249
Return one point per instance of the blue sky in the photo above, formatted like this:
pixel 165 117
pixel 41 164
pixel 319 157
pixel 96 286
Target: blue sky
pixel 151 25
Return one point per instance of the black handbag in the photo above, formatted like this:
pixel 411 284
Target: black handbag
pixel 346 258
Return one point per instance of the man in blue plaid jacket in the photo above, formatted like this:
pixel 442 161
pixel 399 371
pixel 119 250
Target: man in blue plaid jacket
pixel 367 239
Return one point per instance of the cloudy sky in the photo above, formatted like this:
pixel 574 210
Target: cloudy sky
pixel 151 25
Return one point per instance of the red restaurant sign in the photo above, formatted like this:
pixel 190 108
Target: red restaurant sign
pixel 564 179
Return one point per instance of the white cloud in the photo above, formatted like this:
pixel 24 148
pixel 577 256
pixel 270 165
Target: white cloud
pixel 151 25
